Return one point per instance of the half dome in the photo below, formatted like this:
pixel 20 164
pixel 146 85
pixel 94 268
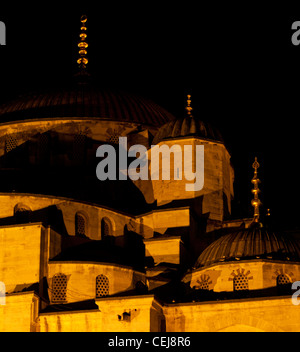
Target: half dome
pixel 251 243
pixel 85 100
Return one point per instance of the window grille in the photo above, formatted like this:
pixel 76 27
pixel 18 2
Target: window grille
pixel 105 228
pixel 11 143
pixel 59 288
pixel 79 147
pixel 113 137
pixel 240 283
pixel 80 224
pixel 44 148
pixel 102 286
pixel 283 279
pixel 203 285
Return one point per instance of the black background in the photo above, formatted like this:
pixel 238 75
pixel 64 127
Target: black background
pixel 236 60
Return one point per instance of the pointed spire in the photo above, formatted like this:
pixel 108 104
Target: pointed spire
pixel 83 45
pixel 188 106
pixel 256 203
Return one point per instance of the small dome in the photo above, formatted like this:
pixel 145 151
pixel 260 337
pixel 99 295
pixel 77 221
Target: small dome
pixel 251 243
pixel 88 101
pixel 188 126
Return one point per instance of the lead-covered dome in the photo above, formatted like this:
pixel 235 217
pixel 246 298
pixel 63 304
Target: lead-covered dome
pixel 85 100
pixel 251 243
pixel 185 127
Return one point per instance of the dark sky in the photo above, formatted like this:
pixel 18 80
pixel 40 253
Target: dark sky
pixel 237 61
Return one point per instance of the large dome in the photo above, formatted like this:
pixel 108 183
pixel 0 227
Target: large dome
pixel 85 100
pixel 252 243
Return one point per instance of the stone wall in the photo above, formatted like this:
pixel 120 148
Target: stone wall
pixel 217 193
pixel 260 274
pixel 21 261
pixel 20 313
pixel 81 278
pixel 146 314
pixel 145 224
pixel 128 314
pixel 272 314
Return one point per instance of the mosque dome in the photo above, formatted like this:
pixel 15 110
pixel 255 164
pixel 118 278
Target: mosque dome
pixel 187 126
pixel 82 98
pixel 254 242
pixel 85 101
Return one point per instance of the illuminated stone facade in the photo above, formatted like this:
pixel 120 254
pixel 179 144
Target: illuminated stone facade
pixel 79 254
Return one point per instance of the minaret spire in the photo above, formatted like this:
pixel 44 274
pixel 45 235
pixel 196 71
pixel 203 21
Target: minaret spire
pixel 256 203
pixel 83 45
pixel 188 106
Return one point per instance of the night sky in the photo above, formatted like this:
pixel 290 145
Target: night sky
pixel 237 62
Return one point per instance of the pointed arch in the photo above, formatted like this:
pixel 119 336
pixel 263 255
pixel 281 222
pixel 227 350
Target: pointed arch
pixel 22 213
pixel 44 148
pixel 106 227
pixel 81 224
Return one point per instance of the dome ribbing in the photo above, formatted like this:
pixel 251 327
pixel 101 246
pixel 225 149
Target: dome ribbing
pixel 251 243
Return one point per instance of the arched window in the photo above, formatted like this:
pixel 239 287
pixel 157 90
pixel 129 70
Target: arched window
pixel 11 143
pixel 102 286
pixel 113 137
pixel 80 225
pixel 283 279
pixel 79 148
pixel 22 214
pixel 283 284
pixel 59 288
pixel 240 283
pixel 106 228
pixel 203 283
pixel 44 148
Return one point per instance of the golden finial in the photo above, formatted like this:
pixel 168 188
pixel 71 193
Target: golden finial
pixel 256 203
pixel 83 45
pixel 188 107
